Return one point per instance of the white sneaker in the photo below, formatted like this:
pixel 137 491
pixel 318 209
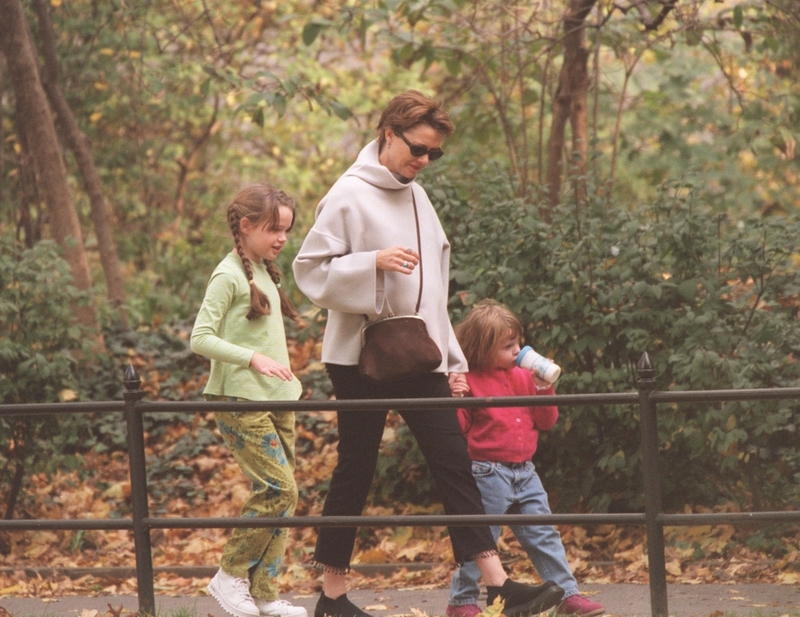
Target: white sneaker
pixel 279 608
pixel 233 594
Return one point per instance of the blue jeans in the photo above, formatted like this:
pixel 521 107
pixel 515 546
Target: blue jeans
pixel 517 485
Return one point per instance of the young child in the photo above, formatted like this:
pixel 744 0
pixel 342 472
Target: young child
pixel 501 443
pixel 240 327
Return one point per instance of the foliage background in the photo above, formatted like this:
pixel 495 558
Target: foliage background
pixel 686 246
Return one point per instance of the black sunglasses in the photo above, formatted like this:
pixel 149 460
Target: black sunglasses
pixel 418 151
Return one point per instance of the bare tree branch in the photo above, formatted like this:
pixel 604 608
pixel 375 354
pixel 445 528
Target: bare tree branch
pixel 82 151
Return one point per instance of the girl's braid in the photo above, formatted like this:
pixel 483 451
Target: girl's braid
pixel 259 303
pixel 287 307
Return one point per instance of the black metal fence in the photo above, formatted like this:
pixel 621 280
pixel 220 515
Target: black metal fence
pixel 653 519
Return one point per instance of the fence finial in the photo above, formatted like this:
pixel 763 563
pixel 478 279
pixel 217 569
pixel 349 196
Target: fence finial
pixel 646 373
pixel 131 379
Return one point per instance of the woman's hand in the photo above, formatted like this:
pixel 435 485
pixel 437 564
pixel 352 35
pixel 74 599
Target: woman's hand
pixel 267 366
pixel 397 259
pixel 458 384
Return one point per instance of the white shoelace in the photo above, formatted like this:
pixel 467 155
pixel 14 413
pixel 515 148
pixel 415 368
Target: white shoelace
pixel 242 585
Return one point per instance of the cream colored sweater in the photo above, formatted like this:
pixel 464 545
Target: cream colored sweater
pixel 366 210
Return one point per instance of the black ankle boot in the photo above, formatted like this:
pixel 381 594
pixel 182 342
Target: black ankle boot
pixel 522 600
pixel 340 607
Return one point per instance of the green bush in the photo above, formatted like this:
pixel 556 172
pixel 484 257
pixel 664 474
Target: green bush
pixel 714 302
pixel 39 352
pixel 40 336
pixel 43 359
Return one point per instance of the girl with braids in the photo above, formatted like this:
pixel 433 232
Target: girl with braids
pixel 240 328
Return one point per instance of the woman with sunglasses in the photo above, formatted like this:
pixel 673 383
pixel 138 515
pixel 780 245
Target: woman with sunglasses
pixel 357 262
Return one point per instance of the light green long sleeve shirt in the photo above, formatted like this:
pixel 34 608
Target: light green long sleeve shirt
pixel 223 333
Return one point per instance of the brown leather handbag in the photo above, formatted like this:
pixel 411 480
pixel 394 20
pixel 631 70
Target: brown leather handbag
pixel 398 347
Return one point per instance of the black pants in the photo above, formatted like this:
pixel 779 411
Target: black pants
pixel 441 441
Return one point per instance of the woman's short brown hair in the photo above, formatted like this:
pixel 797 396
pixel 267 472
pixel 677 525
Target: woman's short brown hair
pixel 484 330
pixel 410 109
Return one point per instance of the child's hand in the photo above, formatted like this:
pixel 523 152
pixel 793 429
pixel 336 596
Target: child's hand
pixel 267 366
pixel 458 384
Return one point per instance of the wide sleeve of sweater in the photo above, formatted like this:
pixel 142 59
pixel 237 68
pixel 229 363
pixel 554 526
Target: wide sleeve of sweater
pixel 331 268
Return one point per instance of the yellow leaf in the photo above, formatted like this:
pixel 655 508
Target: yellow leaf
pixel 55 3
pixel 791 558
pixel 95 116
pixel 100 509
pixel 196 546
pixel 36 550
pixel 118 490
pixel 107 51
pixel 99 85
pixel 635 554
pixel 495 610
pixel 41 542
pixel 411 552
pixel 674 567
pixel 731 423
pixel 373 556
pixel 67 395
pixel 784 578
pixel 401 536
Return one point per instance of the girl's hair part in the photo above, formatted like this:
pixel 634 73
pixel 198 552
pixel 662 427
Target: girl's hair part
pixel 484 330
pixel 260 204
pixel 410 109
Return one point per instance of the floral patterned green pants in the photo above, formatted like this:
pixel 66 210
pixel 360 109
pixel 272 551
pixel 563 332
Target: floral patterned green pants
pixel 263 445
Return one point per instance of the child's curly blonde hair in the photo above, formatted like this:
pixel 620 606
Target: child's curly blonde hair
pixel 484 330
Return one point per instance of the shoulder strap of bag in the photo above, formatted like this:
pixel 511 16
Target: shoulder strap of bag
pixel 419 250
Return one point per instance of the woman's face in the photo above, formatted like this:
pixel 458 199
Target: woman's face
pixel 396 154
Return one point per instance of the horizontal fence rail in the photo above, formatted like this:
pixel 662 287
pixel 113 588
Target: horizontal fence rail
pixel 653 519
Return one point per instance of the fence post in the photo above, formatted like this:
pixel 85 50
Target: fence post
pixel 136 460
pixel 652 487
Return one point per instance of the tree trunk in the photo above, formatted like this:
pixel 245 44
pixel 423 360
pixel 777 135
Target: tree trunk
pixel 569 105
pixel 15 486
pixel 51 173
pixel 81 150
pixel 30 221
